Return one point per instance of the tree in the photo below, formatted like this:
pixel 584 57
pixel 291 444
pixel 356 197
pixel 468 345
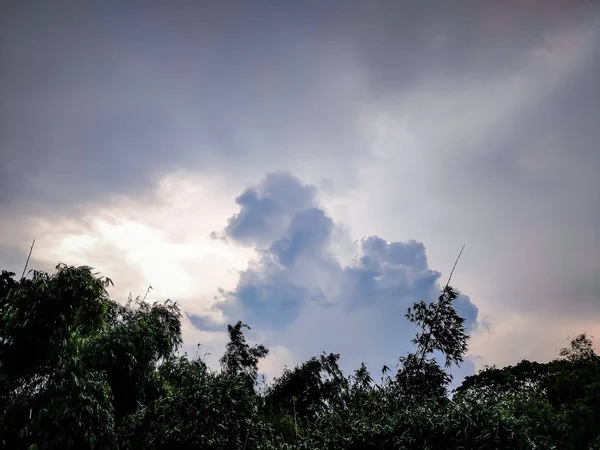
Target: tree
pixel 558 401
pixel 307 390
pixel 524 377
pixel 73 363
pixel 196 408
pixel 48 397
pixel 129 349
pixel 581 350
pixel 441 330
pixel 240 358
pixel 572 386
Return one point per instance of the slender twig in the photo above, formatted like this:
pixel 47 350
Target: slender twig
pixel 147 291
pixel 454 267
pixel 27 262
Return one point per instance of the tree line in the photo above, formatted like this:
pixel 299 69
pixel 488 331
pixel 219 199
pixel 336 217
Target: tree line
pixel 79 370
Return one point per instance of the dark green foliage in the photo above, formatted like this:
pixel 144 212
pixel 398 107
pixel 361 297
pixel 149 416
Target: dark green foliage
pixel 73 363
pixel 523 377
pixel 80 371
pixel 43 317
pixel 74 410
pixel 240 358
pixel 129 348
pixel 307 390
pixel 196 408
pixel 559 400
pixel 442 329
pixel 419 379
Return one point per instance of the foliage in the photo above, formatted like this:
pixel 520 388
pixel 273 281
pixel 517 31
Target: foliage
pixel 441 330
pixel 197 408
pixel 240 359
pixel 81 371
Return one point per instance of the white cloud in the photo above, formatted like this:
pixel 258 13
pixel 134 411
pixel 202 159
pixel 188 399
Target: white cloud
pixel 298 293
pixel 164 243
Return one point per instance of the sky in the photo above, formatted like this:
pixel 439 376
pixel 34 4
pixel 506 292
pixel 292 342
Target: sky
pixel 313 168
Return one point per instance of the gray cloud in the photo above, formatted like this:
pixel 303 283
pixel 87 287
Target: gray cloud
pixel 266 210
pixel 104 99
pixel 308 232
pixel 297 278
pixel 99 99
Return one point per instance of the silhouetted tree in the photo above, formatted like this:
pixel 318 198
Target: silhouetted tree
pixel 240 358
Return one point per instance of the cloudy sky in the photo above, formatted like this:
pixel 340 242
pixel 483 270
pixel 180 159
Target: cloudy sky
pixel 313 167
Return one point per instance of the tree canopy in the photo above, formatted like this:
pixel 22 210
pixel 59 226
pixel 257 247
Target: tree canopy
pixel 79 370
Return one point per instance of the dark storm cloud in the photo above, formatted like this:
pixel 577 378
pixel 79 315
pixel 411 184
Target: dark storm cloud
pixel 103 97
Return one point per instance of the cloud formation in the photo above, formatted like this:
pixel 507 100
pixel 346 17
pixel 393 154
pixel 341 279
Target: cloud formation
pixel 297 275
pixel 266 210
